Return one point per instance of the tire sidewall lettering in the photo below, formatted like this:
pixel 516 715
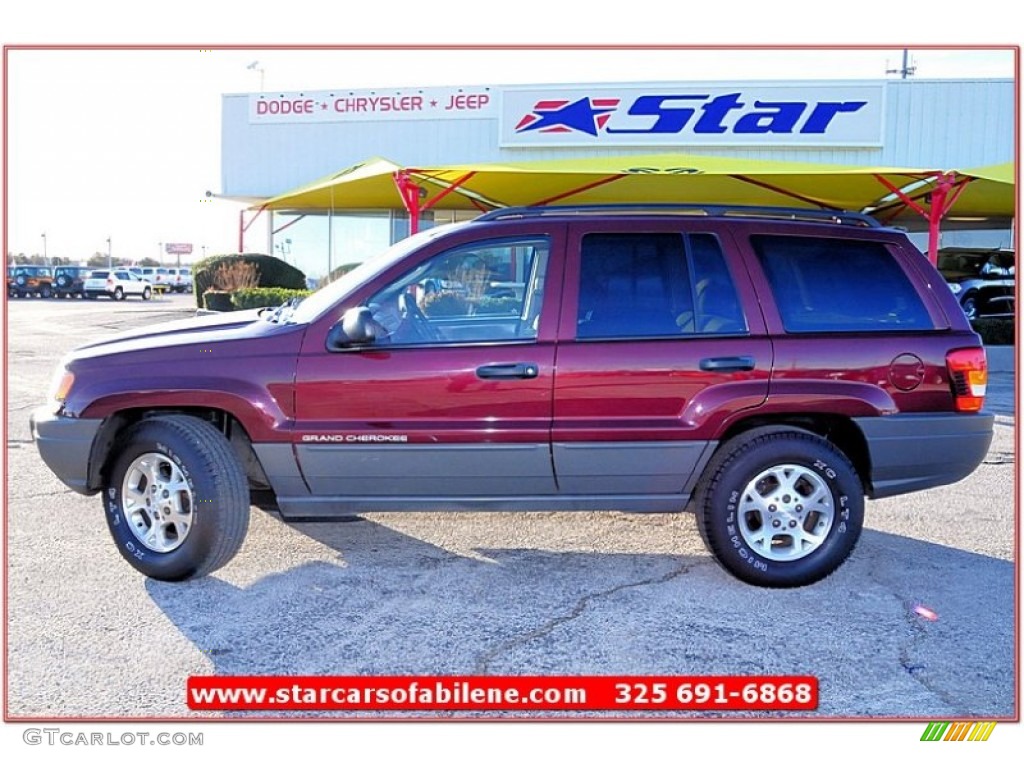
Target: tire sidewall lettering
pixel 723 532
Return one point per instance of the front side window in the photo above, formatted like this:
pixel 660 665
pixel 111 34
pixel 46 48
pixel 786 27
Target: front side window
pixel 830 284
pixel 650 285
pixel 483 292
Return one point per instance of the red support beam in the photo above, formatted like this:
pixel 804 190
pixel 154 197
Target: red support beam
pixel 445 192
pixel 940 200
pixel 584 188
pixel 243 227
pixel 294 221
pixel 409 191
pixel 785 192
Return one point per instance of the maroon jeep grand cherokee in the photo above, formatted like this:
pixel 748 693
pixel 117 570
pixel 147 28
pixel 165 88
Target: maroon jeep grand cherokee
pixel 767 367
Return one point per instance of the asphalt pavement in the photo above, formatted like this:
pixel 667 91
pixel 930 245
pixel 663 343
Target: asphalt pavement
pixel 494 593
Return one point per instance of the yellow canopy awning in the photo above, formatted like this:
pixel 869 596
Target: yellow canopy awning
pixel 663 178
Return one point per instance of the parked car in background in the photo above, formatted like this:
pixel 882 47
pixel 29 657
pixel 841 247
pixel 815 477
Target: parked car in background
pixel 982 279
pixel 117 284
pixel 70 281
pixel 179 279
pixel 31 280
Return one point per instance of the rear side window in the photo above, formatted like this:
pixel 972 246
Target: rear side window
pixel 656 284
pixel 830 284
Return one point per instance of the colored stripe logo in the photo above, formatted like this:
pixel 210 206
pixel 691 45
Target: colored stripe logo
pixel 963 731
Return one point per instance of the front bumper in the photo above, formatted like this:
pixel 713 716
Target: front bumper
pixel 65 445
pixel 911 452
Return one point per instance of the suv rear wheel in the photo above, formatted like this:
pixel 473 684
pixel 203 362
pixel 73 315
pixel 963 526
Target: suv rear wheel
pixel 780 507
pixel 177 501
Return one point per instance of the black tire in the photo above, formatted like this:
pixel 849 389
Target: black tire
pixel 970 305
pixel 146 294
pixel 62 295
pixel 63 281
pixel 743 496
pixel 118 293
pixel 45 291
pixel 206 515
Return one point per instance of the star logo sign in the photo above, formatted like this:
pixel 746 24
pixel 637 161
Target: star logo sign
pixel 586 115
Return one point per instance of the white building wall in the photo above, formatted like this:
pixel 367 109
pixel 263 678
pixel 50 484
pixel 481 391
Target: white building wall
pixel 941 124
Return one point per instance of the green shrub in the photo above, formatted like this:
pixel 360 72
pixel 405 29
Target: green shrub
pixel 236 276
pixel 271 271
pixel 497 305
pixel 253 298
pixel 217 301
pixel 994 330
pixel 445 304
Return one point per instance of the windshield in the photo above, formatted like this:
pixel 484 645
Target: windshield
pixel 313 306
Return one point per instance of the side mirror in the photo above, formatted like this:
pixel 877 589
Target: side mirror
pixel 355 329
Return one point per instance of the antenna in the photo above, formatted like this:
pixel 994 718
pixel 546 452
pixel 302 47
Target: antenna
pixel 906 70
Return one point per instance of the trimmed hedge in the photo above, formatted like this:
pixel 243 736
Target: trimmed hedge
pixel 994 330
pixel 254 298
pixel 272 271
pixel 217 301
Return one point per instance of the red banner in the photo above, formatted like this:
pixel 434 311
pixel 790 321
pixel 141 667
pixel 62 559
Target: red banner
pixel 478 693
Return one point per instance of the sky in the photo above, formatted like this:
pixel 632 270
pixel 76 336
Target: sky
pixel 124 144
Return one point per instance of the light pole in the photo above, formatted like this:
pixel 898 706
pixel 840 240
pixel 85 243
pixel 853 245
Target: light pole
pixel 45 259
pixel 160 254
pixel 110 257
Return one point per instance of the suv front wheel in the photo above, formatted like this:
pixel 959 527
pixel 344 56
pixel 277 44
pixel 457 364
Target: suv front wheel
pixel 780 507
pixel 177 501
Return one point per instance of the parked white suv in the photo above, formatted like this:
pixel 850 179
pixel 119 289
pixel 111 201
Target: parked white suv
pixel 117 284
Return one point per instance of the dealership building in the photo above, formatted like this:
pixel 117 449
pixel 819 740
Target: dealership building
pixel 275 142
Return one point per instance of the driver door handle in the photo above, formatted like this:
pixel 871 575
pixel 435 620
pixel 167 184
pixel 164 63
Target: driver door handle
pixel 508 371
pixel 728 364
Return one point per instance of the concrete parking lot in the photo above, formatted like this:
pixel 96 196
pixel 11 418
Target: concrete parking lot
pixel 493 593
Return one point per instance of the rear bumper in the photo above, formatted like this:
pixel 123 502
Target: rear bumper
pixel 911 452
pixel 65 445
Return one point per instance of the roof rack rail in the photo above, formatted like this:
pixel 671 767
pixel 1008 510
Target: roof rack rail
pixel 700 209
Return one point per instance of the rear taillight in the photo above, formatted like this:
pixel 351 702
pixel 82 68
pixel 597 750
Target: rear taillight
pixel 968 376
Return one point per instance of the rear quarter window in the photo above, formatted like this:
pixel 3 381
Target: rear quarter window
pixel 832 284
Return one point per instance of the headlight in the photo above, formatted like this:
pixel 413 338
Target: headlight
pixel 955 288
pixel 61 385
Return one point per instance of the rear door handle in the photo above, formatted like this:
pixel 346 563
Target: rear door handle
pixel 727 364
pixel 508 371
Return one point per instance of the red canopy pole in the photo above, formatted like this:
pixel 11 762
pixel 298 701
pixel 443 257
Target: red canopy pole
pixel 410 194
pixel 243 227
pixel 935 213
pixel 938 206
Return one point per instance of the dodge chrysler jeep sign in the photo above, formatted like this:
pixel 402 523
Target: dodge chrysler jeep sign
pixel 722 114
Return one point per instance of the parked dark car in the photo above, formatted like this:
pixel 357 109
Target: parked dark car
pixel 70 281
pixel 982 279
pixel 766 368
pixel 31 280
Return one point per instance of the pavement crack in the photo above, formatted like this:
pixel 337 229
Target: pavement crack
pixel 486 659
pixel 908 657
pixel 42 495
